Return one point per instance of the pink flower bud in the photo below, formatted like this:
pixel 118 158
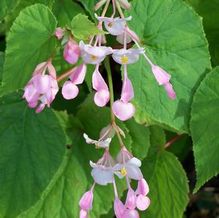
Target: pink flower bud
pixel 143 187
pixel 142 202
pixel 69 90
pixel 71 52
pixel 131 199
pixel 83 214
pixel 86 201
pixel 59 33
pixel 170 91
pixel 161 76
pixel 119 208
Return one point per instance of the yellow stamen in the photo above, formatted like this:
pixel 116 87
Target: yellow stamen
pixel 93 57
pixel 123 171
pixel 124 59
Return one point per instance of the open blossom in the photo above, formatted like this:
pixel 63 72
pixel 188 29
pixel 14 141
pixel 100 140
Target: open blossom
pixel 163 78
pixel 70 89
pixel 127 56
pixel 115 26
pixel 123 108
pixel 42 88
pixel 71 52
pixel 94 54
pixel 102 94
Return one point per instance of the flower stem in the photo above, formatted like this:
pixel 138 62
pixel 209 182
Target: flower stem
pixel 120 10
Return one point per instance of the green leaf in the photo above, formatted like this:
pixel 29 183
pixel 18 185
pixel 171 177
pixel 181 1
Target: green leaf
pixel 173 38
pixel 9 10
pixel 30 41
pixel 167 180
pixel 204 128
pixel 209 10
pixel 32 148
pixel 1 65
pixel 82 28
pixel 89 6
pixel 65 10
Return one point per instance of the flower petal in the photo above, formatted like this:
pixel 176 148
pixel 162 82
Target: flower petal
pixel 161 75
pixel 78 75
pixel 101 98
pixel 131 199
pixel 83 214
pixel 71 52
pixel 69 90
pixel 130 214
pixel 123 111
pixel 133 172
pixel 127 89
pixel 142 202
pixel 86 201
pixel 102 176
pixel 170 91
pixel 134 161
pixel 119 208
pixel 143 188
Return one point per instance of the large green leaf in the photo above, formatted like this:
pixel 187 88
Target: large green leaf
pixel 31 150
pixel 30 41
pixel 1 65
pixel 173 37
pixel 65 10
pixel 204 128
pixel 209 10
pixel 9 10
pixel 89 6
pixel 167 180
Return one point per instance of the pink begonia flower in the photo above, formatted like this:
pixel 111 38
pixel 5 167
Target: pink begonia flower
pixel 102 171
pixel 86 203
pixel 42 88
pixel 94 54
pixel 131 214
pixel 125 4
pixel 115 26
pixel 122 108
pixel 104 141
pixel 131 199
pixel 143 188
pixel 71 52
pixel 59 33
pixel 119 208
pixel 127 56
pixel 70 89
pixel 163 78
pixel 102 94
pixel 142 202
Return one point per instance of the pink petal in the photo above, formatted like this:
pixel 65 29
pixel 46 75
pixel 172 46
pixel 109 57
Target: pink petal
pixel 71 52
pixel 101 98
pixel 127 90
pixel 30 93
pixel 123 111
pixel 170 91
pixel 83 214
pixel 131 199
pixel 51 70
pixel 143 188
pixel 130 214
pixel 69 90
pixel 41 83
pixel 98 81
pixel 161 76
pixel 142 202
pixel 40 108
pixel 40 68
pixel 86 201
pixel 119 208
pixel 77 77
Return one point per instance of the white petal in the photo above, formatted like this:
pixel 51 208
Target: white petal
pixel 133 172
pixel 135 161
pixel 102 176
pixel 89 140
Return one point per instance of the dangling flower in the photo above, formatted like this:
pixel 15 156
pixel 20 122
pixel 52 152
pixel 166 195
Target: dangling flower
pixel 42 88
pixel 94 54
pixel 71 52
pixel 104 141
pixel 115 26
pixel 122 108
pixel 163 78
pixel 125 4
pixel 70 89
pixel 86 203
pixel 127 56
pixel 102 94
pixel 103 172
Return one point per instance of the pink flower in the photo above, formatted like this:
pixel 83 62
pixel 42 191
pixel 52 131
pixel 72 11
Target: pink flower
pixel 70 89
pixel 71 52
pixel 42 88
pixel 115 26
pixel 119 208
pixel 59 33
pixel 94 54
pixel 122 108
pixel 102 94
pixel 86 203
pixel 163 78
pixel 127 56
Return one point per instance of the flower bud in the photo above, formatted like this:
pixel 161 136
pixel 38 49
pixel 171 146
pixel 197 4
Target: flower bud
pixel 71 52
pixel 86 201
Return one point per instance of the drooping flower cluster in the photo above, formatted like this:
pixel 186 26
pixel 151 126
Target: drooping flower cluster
pixel 124 167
